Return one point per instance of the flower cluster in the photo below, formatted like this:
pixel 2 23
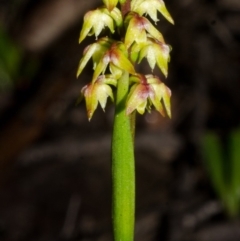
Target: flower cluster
pixel 112 57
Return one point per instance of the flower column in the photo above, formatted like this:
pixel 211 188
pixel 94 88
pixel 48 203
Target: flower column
pixel 113 59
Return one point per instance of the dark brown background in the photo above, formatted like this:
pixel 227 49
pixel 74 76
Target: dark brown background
pixel 55 180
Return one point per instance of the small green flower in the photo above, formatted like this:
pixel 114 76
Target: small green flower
pixel 96 20
pixel 98 91
pixel 151 7
pixel 147 91
pixel 106 52
pixel 117 59
pixel 154 51
pixel 94 51
pixel 137 29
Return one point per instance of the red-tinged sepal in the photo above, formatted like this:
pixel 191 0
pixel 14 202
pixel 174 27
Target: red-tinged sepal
pixel 137 29
pixel 98 92
pixel 115 56
pixel 156 52
pixel 120 60
pixel 94 51
pixel 147 91
pixel 110 4
pixel 151 7
pixel 163 93
pixel 138 97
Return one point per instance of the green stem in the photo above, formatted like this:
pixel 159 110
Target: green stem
pixel 123 171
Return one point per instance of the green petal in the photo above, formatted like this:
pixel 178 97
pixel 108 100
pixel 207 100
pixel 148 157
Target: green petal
pixel 131 100
pixel 137 98
pixel 108 22
pixel 101 67
pixel 101 20
pixel 162 55
pixel 163 10
pixel 98 28
pixel 153 31
pixel 166 99
pixel 150 53
pixel 132 33
pixel 89 51
pixel 117 16
pixel 136 30
pixel 134 52
pixel 103 91
pixel 151 57
pixel 91 100
pixel 142 107
pixel 122 62
pixel 103 45
pixel 121 46
pixel 135 3
pixel 156 102
pixel 116 72
pixel 143 53
pixel 110 80
pixel 149 8
pixel 135 79
pixel 96 20
pixel 87 25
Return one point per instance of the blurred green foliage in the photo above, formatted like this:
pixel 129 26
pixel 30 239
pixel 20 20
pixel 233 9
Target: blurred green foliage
pixel 223 163
pixel 10 59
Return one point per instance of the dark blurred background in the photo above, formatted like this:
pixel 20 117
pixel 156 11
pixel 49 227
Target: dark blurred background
pixel 55 167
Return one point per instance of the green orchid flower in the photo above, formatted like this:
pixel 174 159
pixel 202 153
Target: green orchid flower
pixel 137 29
pixel 146 91
pixel 155 52
pixel 98 91
pixel 151 7
pixel 94 51
pixel 95 21
pixel 106 52
pixel 117 60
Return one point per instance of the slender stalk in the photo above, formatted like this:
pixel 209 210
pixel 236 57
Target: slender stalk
pixel 123 171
